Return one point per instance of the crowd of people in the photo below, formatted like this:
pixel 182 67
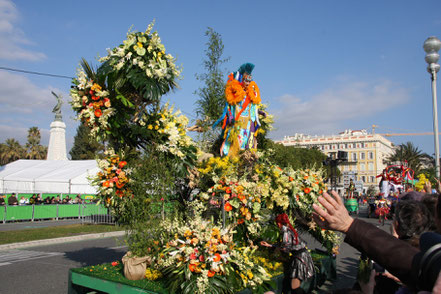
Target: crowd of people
pixel 37 199
pixel 406 260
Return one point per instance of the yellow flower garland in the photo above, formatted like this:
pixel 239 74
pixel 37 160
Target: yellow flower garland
pixel 253 93
pixel 234 92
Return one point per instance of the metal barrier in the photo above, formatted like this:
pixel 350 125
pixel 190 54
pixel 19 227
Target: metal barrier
pixel 51 211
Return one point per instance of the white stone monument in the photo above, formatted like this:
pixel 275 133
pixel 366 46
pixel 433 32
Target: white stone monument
pixel 57 139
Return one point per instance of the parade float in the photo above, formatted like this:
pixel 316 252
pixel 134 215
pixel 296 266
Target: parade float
pixel 193 221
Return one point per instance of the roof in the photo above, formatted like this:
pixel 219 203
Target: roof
pixel 48 176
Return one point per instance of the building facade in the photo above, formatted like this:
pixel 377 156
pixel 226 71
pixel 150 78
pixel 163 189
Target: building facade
pixel 366 153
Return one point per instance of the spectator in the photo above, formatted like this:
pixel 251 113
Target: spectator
pixel 78 199
pixel 39 200
pixel 33 199
pixel 68 199
pixel 47 200
pixel 13 200
pixel 57 200
pixel 23 201
pixel 2 200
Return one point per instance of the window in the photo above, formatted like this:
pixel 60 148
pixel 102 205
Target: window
pixel 363 179
pixel 370 166
pixel 371 155
pixel 362 155
pixel 362 167
pixel 354 156
pixel 372 179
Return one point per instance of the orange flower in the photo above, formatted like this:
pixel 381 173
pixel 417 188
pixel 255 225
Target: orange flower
pixel 119 184
pixel 106 184
pixel 234 92
pixel 253 92
pixel 305 177
pixel 217 257
pixel 307 190
pixel 210 273
pixel 122 164
pixel 240 221
pixel 192 267
pixel 241 197
pixel 95 97
pixel 228 206
pixel 291 179
pixel 98 113
pixel 228 190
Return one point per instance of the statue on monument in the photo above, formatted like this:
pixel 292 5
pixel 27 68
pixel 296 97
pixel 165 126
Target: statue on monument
pixel 57 108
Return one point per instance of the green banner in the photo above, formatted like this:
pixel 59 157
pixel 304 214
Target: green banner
pixel 18 212
pixel 45 211
pixel 69 210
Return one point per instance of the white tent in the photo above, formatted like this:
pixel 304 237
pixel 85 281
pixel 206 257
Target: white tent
pixel 48 176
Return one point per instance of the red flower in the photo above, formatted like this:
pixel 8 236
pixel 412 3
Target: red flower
pixel 228 206
pixel 228 190
pixel 95 97
pixel 192 267
pixel 192 256
pixel 240 221
pixel 119 184
pixel 210 273
pixel 217 257
pixel 98 113
pixel 307 190
pixel 201 258
pixel 122 164
pixel 115 263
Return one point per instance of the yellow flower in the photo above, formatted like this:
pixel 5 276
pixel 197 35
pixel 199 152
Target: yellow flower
pixel 139 44
pixel 156 127
pixel 150 127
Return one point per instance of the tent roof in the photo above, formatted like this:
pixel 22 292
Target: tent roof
pixel 49 171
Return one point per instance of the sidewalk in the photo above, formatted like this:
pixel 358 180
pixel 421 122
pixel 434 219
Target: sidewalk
pixel 16 226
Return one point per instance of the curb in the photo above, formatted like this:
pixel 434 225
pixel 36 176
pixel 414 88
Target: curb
pixel 61 240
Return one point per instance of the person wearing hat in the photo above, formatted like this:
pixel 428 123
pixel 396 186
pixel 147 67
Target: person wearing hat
pixel 12 200
pixel 240 118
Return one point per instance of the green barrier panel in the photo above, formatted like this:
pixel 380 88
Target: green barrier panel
pixel 89 209
pixel 2 213
pixel 25 195
pixel 68 210
pixel 45 211
pixel 18 212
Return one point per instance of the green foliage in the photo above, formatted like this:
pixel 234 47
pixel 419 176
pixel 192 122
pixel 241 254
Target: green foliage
pixel 416 159
pixel 84 146
pixel 210 105
pixel 297 158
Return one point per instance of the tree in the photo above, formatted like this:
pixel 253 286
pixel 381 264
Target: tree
pixel 33 148
pixel 210 105
pixel 11 151
pixel 295 157
pixel 416 159
pixel 84 146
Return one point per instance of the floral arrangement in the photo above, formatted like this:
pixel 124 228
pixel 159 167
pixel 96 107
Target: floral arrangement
pixel 113 179
pixel 145 52
pixel 252 187
pixel 254 93
pixel 91 102
pixel 202 256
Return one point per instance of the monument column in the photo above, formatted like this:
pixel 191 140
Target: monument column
pixel 57 140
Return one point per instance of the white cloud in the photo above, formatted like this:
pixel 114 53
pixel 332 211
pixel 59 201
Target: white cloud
pixel 24 105
pixel 19 95
pixel 12 38
pixel 332 109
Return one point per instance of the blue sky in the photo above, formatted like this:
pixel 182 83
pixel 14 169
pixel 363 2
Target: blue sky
pixel 322 66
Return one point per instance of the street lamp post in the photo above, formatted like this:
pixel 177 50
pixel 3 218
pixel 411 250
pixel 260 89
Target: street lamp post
pixel 432 46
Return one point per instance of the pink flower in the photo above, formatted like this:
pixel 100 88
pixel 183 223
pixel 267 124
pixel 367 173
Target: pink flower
pixel 201 258
pixel 192 256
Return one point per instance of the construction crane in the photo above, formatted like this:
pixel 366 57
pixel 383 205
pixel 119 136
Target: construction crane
pixel 402 134
pixel 408 134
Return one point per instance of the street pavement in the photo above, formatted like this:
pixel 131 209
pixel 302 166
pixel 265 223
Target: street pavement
pixel 43 266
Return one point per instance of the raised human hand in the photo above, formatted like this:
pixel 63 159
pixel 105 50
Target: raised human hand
pixel 334 216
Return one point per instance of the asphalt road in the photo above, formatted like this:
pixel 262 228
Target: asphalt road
pixel 44 269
